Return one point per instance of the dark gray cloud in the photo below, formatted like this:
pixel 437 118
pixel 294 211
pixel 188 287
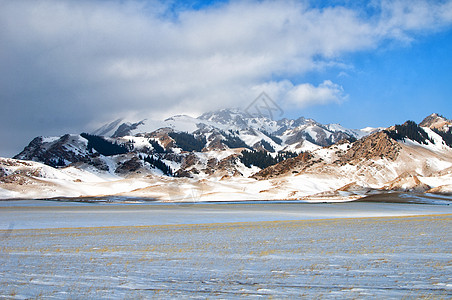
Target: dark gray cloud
pixel 67 66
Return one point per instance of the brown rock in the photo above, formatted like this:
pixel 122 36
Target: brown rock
pixel 375 145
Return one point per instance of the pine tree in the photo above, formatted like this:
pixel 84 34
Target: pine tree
pixel 411 131
pixel 188 142
pixel 156 146
pixel 104 146
pixel 159 164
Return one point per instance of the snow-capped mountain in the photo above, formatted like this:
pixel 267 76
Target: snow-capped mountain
pixel 230 155
pixel 285 134
pixel 226 129
pixel 56 151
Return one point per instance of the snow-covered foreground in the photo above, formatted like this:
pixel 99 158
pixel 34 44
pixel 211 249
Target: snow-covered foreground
pixel 284 250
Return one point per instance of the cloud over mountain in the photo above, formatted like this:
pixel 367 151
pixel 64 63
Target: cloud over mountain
pixel 63 63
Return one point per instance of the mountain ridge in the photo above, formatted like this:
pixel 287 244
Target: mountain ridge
pixel 212 155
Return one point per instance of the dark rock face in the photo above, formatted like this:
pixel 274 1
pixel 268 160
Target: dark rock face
pixel 99 164
pixel 187 168
pixel 296 138
pixel 33 150
pixel 340 136
pixel 129 166
pixel 183 173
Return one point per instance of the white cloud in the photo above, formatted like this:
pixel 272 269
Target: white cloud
pixel 399 19
pixel 303 95
pixel 75 61
pixel 307 94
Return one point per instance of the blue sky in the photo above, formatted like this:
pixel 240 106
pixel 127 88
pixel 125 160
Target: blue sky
pixel 71 66
pixel 392 84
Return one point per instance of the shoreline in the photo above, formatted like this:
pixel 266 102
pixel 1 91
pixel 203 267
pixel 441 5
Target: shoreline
pixel 383 197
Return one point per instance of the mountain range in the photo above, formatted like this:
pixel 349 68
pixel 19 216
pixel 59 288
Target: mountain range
pixel 231 155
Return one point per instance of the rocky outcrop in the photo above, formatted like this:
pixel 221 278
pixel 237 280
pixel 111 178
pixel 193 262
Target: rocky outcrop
pixel 436 121
pixel 129 166
pixel 377 145
pixel 189 161
pixel 407 182
pixel 229 165
pixel 445 190
pixel 60 152
pixel 211 166
pixel 162 135
pixel 17 172
pixel 290 165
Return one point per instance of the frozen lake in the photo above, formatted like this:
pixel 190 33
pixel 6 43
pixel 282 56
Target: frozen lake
pixel 29 214
pixel 224 250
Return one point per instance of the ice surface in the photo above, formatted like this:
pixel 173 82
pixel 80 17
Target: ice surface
pixel 245 253
pixel 38 214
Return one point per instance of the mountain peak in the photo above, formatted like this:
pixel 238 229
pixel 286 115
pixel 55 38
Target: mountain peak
pixel 109 128
pixel 223 116
pixel 436 121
